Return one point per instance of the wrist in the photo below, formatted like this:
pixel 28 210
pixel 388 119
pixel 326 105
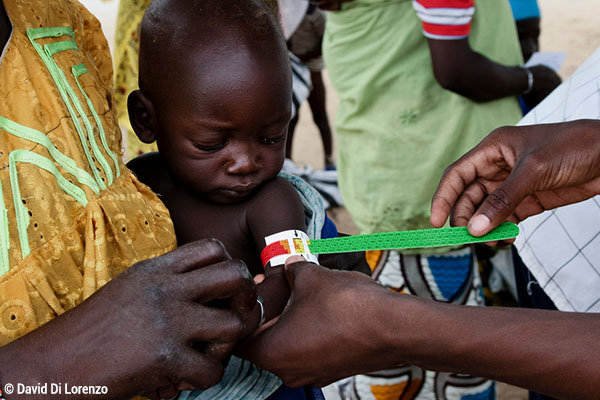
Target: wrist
pixel 529 76
pixel 22 368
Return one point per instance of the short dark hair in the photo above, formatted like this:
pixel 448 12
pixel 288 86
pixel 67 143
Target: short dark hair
pixel 170 26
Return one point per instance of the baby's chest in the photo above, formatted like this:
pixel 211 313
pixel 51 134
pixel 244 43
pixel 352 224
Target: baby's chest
pixel 226 224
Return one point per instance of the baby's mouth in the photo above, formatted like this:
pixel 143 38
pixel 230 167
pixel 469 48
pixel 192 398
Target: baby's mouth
pixel 238 191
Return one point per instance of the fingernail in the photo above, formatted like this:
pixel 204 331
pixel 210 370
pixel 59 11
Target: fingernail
pixel 294 259
pixel 479 224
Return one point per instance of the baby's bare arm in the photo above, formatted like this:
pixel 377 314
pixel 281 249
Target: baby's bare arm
pixel 276 208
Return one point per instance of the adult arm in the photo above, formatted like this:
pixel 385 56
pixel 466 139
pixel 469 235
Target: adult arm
pixel 134 334
pixel 458 68
pixel 517 172
pixel 462 70
pixel 351 325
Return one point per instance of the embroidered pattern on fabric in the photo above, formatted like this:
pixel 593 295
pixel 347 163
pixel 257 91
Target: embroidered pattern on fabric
pixel 79 70
pixel 87 134
pixel 4 242
pixel 67 93
pixel 25 156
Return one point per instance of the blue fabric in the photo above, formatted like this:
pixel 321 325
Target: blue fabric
pixel 523 9
pixel 329 229
pixel 524 107
pixel 303 393
pixel 450 273
pixel 286 393
pixel 313 393
pixel 488 394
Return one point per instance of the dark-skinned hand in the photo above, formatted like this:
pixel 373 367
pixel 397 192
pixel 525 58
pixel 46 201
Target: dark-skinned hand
pixel 517 172
pixel 303 346
pixel 149 330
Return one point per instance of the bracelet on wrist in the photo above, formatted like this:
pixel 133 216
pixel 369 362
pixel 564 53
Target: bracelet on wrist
pixel 529 80
pixel 260 302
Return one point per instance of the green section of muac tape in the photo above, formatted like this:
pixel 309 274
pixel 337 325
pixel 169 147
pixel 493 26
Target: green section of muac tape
pixel 424 238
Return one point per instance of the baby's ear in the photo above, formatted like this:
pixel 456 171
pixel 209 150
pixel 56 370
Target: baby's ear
pixel 142 116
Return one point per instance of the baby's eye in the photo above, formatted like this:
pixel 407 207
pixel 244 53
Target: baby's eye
pixel 271 140
pixel 210 147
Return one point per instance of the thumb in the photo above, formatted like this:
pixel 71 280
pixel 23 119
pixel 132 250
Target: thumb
pixel 499 205
pixel 290 269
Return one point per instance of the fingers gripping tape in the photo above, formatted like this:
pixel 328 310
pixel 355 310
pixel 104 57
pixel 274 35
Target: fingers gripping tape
pixel 280 246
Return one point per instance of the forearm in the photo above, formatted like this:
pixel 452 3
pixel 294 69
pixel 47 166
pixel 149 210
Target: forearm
pixel 484 80
pixel 550 352
pixel 459 69
pixel 354 325
pixel 52 357
pixel 18 367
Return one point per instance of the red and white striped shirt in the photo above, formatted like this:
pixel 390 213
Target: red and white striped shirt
pixel 445 19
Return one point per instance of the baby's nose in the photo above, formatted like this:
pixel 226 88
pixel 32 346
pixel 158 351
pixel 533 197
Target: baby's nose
pixel 243 163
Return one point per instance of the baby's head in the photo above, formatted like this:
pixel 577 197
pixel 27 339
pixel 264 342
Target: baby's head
pixel 215 93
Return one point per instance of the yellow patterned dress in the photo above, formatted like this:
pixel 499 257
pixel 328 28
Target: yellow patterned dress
pixel 72 216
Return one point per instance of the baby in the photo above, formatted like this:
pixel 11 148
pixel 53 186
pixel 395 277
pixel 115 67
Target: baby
pixel 215 94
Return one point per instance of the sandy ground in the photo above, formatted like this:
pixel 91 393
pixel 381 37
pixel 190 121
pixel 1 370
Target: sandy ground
pixel 572 28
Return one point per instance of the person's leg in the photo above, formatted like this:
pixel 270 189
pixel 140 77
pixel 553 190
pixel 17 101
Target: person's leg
pixel 316 100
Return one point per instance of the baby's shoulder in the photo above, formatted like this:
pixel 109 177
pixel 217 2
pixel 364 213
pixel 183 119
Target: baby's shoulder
pixel 275 191
pixel 276 207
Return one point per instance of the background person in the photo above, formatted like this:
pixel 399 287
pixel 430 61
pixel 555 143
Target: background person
pixel 527 18
pixel 420 83
pixel 306 43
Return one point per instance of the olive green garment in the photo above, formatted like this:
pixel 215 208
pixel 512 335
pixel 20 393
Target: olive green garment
pixel 397 128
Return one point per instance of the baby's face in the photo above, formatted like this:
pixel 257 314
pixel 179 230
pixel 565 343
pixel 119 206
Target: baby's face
pixel 223 132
